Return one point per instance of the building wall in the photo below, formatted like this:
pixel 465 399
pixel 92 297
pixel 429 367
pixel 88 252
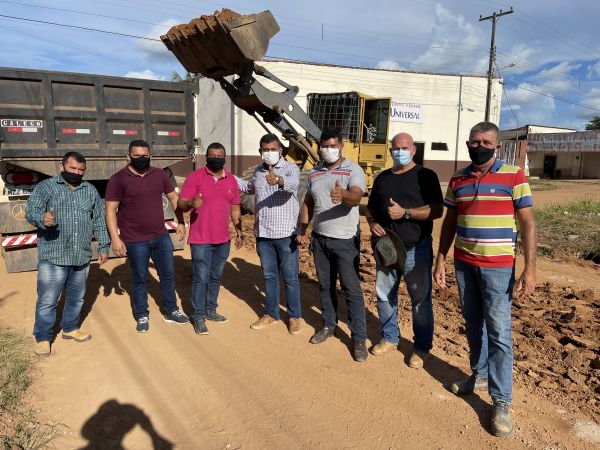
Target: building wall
pixel 438 96
pixel 569 164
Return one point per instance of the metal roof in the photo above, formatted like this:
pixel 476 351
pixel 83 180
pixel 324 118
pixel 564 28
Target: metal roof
pixel 579 141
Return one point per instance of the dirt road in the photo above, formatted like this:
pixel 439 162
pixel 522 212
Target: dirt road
pixel 241 388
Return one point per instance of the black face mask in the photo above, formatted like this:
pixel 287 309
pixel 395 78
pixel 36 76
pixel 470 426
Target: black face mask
pixel 141 163
pixel 215 164
pixel 74 179
pixel 481 155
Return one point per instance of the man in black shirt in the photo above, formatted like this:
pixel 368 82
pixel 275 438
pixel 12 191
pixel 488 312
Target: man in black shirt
pixel 406 199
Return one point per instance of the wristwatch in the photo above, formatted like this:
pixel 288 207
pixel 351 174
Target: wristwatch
pixel 407 214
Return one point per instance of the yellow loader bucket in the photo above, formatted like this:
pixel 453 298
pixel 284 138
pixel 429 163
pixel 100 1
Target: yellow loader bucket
pixel 220 45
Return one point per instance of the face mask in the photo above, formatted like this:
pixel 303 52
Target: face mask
pixel 215 164
pixel 330 154
pixel 74 179
pixel 401 157
pixel 481 155
pixel 140 163
pixel 270 157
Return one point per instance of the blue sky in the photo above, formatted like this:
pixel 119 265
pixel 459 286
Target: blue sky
pixel 547 50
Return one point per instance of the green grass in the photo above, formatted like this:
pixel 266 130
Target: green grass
pixel 19 428
pixel 537 184
pixel 571 229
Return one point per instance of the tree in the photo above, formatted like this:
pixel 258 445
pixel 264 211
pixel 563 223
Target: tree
pixel 189 77
pixel 593 124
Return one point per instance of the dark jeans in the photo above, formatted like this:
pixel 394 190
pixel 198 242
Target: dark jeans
pixel 52 279
pixel 208 262
pixel 280 255
pixel 160 250
pixel 340 256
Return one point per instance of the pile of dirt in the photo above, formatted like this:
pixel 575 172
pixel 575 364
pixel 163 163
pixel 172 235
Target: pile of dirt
pixel 203 23
pixel 556 334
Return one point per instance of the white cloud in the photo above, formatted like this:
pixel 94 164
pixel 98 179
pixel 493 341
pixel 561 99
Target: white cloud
pixel 154 50
pixel 559 70
pixel 145 74
pixel 593 70
pixel 443 54
pixel 520 55
pixel 389 64
pixel 591 98
pixel 532 108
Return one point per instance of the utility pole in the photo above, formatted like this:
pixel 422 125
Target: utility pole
pixel 494 18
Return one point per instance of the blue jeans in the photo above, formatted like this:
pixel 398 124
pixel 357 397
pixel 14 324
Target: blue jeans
pixel 280 255
pixel 417 275
pixel 52 279
pixel 208 262
pixel 486 301
pixel 160 249
pixel 340 256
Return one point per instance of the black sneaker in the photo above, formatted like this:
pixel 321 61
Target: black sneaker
pixel 142 325
pixel 214 316
pixel 200 326
pixel 176 317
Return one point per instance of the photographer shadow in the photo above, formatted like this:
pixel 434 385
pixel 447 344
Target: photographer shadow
pixel 107 428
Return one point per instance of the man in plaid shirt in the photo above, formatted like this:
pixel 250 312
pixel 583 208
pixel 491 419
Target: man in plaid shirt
pixel 275 185
pixel 67 212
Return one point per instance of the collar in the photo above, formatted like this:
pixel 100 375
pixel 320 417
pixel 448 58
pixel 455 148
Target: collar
pixel 345 163
pixel 495 167
pixel 131 173
pixel 209 173
pixel 60 180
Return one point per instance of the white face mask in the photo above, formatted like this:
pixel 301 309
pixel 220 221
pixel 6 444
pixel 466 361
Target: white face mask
pixel 270 157
pixel 330 154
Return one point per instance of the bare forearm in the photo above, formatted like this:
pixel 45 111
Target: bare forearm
pixel 351 198
pixel 235 219
pixel 111 224
pixel 529 241
pixel 427 212
pixel 447 234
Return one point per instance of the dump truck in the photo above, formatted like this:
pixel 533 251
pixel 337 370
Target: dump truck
pixel 226 46
pixel 44 114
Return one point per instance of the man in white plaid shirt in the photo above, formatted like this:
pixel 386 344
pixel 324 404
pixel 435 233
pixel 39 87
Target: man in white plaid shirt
pixel 275 185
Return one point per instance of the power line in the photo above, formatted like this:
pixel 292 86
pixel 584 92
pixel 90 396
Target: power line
pixel 95 30
pixel 581 105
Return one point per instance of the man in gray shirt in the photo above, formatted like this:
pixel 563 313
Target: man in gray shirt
pixel 335 189
pixel 275 184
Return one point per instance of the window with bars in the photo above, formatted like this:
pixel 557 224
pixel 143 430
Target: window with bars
pixel 336 111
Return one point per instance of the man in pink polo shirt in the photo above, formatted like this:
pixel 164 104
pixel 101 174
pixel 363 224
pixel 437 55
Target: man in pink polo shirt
pixel 211 194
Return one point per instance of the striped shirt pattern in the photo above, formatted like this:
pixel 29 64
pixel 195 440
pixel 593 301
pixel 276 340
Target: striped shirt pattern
pixel 78 215
pixel 486 221
pixel 276 208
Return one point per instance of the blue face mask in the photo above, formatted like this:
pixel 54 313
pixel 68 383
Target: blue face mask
pixel 401 157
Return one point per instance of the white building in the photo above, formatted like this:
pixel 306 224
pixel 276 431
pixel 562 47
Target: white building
pixel 444 107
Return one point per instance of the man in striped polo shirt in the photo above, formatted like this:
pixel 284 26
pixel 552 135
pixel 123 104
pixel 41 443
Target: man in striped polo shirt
pixel 484 201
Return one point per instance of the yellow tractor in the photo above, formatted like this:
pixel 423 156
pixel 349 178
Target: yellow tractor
pixel 227 43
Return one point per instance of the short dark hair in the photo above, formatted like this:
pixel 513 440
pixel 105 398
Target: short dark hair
pixel 268 138
pixel 138 143
pixel 215 145
pixel 484 127
pixel 331 133
pixel 75 155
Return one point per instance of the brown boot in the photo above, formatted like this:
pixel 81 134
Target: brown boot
pixel 77 336
pixel 263 322
pixel 42 348
pixel 294 325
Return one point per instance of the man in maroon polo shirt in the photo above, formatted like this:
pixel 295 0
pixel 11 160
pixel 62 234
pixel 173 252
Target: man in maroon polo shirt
pixel 135 221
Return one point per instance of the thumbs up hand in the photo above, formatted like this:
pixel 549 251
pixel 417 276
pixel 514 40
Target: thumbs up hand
pixel 337 194
pixel 197 201
pixel 395 211
pixel 48 218
pixel 271 178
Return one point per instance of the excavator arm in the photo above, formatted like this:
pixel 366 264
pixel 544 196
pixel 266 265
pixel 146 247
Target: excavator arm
pixel 227 43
